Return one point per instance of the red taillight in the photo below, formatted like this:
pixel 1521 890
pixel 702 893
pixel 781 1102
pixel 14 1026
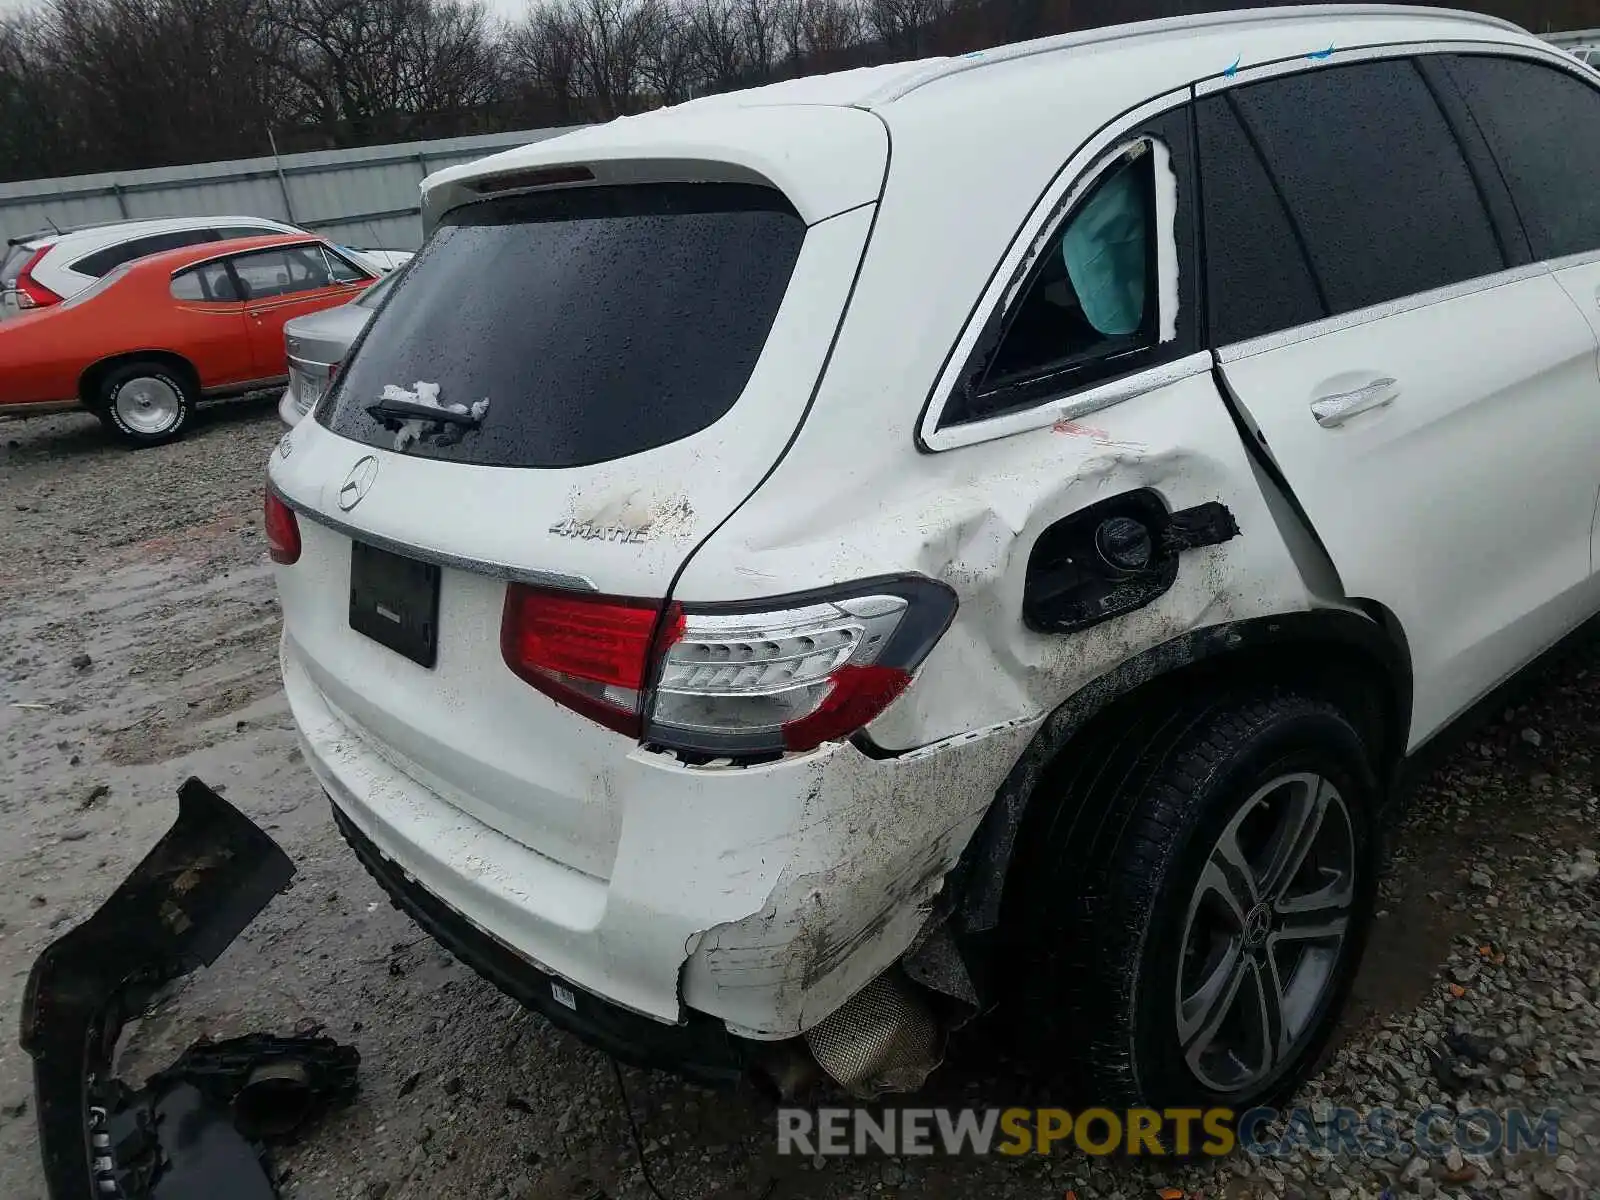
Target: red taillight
pixel 30 292
pixel 745 682
pixel 590 654
pixel 858 695
pixel 283 531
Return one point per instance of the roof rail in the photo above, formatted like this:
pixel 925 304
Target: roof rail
pixel 944 67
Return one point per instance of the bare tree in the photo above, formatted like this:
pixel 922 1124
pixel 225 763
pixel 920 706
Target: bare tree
pixel 100 85
pixel 718 41
pixel 902 27
pixel 374 68
pixel 828 29
pixel 542 52
pixel 30 102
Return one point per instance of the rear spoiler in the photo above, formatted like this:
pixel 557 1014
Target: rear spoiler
pixel 824 159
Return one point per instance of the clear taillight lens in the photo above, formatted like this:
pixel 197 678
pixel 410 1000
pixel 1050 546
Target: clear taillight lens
pixel 743 681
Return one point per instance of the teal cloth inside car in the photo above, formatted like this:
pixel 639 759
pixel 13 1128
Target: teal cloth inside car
pixel 1104 250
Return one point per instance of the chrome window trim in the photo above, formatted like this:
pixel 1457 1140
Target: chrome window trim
pixel 1581 259
pixel 493 570
pixel 1071 406
pixel 1077 177
pixel 1276 68
pixel 1280 338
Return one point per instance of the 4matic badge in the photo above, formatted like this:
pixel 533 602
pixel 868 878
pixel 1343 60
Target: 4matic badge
pixel 588 531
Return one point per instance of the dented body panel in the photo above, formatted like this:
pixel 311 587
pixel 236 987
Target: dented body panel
pixel 766 891
pixel 765 896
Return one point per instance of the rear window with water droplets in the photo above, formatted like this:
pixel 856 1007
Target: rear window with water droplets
pixel 575 326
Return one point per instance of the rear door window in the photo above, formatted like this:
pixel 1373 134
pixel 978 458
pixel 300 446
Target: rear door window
pixel 1543 127
pixel 589 323
pixel 1258 276
pixel 1373 179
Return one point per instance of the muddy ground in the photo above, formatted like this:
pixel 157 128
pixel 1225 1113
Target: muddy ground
pixel 138 630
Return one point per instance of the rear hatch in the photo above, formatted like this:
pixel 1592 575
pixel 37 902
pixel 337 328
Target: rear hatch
pixel 628 361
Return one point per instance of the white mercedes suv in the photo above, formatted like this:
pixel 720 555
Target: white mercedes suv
pixel 784 573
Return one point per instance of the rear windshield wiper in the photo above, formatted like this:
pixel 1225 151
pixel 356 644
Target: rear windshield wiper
pixel 392 412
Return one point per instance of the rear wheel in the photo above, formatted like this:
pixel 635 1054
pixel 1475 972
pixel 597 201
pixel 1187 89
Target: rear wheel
pixel 144 403
pixel 1197 898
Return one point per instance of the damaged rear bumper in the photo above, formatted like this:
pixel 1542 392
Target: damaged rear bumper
pixel 700 1049
pixel 746 901
pixel 179 909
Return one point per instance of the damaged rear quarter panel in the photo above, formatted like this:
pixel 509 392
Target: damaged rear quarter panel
pixel 876 837
pixel 970 518
pixel 854 498
pixel 848 883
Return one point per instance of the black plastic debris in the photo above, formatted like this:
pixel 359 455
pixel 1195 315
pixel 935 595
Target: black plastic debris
pixel 198 1128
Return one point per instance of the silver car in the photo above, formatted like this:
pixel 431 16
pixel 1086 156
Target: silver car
pixel 317 344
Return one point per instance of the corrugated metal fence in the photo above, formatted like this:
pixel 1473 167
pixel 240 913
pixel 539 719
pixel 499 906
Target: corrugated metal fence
pixel 363 196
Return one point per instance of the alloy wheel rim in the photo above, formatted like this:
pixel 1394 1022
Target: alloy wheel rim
pixel 148 405
pixel 1264 931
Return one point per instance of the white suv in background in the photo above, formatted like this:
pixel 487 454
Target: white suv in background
pixel 762 599
pixel 47 267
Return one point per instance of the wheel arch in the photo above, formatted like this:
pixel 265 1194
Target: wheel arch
pixel 89 379
pixel 1359 660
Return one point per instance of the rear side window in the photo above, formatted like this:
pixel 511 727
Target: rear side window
pixel 1543 127
pixel 1258 278
pixel 1374 181
pixel 208 283
pixel 101 261
pixel 594 322
pixel 1092 291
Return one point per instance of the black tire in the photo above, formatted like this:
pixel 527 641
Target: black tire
pixel 1113 917
pixel 167 396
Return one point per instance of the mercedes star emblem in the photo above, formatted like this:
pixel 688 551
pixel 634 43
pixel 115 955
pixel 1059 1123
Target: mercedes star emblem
pixel 358 483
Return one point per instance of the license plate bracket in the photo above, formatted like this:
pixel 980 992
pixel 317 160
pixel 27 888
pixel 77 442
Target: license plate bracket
pixel 394 600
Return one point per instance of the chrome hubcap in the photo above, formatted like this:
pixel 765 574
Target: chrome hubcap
pixel 1264 929
pixel 147 405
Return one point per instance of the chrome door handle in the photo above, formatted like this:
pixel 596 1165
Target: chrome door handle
pixel 1341 406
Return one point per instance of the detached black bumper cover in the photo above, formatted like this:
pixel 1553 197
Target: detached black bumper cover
pixel 179 909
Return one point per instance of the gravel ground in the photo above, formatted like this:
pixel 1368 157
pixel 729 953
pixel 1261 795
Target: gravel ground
pixel 137 647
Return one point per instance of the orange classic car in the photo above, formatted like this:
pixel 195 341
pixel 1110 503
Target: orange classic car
pixel 144 344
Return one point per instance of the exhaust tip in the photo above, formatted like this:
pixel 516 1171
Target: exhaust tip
pixel 885 1038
